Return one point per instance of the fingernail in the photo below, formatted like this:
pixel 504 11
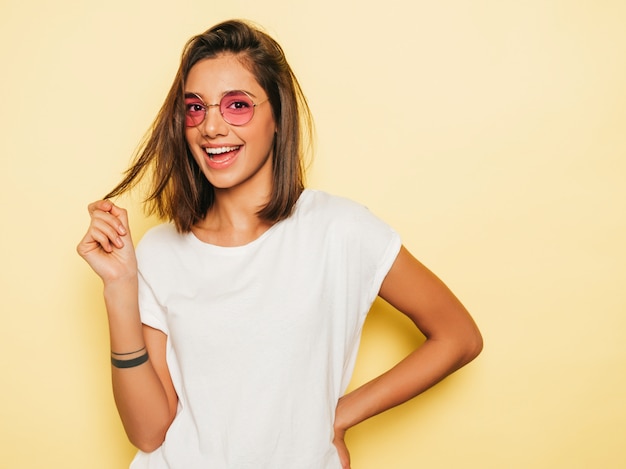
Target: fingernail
pixel 122 230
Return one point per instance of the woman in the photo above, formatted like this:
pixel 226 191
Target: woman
pixel 235 326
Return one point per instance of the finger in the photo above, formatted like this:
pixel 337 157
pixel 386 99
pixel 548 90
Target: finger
pixel 96 239
pixel 104 205
pixel 116 216
pixel 122 215
pixel 93 242
pixel 104 230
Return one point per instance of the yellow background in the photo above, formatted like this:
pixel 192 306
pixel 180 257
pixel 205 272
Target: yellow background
pixel 490 134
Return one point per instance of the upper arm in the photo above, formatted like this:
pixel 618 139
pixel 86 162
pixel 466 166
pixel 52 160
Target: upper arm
pixel 418 293
pixel 156 344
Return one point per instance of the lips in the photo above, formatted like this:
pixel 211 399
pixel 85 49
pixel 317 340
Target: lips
pixel 221 157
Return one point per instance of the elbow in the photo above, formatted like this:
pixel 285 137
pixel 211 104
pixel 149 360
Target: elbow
pixel 472 346
pixel 147 442
pixel 148 434
pixel 147 445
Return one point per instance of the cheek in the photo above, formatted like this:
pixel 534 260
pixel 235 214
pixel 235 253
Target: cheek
pixel 267 133
pixel 265 140
pixel 189 133
pixel 190 139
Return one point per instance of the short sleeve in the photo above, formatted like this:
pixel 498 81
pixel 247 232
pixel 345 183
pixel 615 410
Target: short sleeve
pixel 152 313
pixel 385 261
pixel 378 245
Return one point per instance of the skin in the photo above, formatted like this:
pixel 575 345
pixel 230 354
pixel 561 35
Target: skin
pixel 145 395
pixel 244 187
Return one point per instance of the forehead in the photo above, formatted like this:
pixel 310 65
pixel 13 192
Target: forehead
pixel 213 77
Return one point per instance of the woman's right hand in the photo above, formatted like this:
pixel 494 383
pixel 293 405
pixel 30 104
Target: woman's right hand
pixel 107 246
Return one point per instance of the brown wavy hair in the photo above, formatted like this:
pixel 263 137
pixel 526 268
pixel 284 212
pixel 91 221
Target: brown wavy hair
pixel 178 190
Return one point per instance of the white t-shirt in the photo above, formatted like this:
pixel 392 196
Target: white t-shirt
pixel 262 338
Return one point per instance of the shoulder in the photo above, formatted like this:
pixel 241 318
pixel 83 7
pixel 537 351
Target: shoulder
pixel 158 237
pixel 326 208
pixel 162 250
pixel 340 218
pixel 162 232
pixel 350 227
pixel 322 204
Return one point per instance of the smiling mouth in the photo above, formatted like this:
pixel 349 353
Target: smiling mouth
pixel 216 152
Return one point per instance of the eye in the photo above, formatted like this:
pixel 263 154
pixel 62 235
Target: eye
pixel 236 102
pixel 195 111
pixel 240 104
pixel 194 107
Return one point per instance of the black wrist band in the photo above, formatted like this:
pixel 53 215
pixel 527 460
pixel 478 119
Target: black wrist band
pixel 133 362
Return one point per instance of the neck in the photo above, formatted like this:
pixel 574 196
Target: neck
pixel 233 219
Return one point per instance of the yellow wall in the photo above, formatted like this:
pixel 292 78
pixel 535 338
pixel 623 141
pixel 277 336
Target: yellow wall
pixel 491 134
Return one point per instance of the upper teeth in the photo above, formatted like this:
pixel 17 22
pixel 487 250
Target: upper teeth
pixel 220 150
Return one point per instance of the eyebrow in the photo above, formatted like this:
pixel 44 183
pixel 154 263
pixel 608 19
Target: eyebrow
pixel 192 94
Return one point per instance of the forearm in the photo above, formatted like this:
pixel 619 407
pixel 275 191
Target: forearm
pixel 419 371
pixel 452 341
pixel 139 394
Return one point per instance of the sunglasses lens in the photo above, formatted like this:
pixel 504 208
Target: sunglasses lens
pixel 195 110
pixel 237 108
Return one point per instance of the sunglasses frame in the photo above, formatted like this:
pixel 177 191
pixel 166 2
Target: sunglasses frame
pixel 219 107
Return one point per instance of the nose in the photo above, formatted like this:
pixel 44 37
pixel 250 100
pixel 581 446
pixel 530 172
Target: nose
pixel 214 124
